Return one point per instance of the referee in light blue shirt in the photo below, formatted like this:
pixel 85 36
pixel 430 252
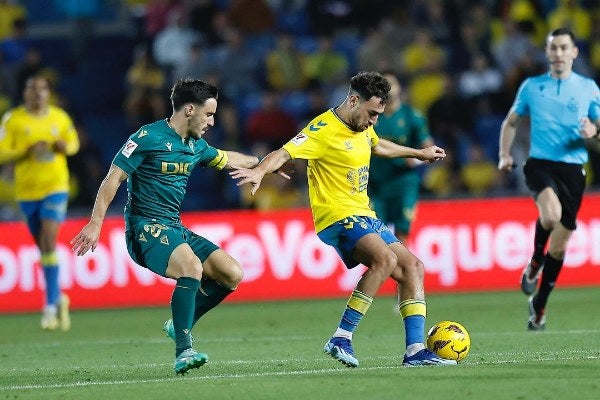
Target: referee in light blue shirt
pixel 564 109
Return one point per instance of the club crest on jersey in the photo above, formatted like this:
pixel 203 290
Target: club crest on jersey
pixel 572 105
pixel 299 139
pixel 129 147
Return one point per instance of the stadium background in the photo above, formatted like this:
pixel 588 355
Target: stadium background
pixel 460 62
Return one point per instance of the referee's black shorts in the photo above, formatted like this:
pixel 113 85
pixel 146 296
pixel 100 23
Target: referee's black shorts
pixel 567 180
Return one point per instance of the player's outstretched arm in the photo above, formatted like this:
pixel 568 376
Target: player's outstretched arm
pixel 88 237
pixel 239 160
pixel 508 130
pixel 388 149
pixel 272 162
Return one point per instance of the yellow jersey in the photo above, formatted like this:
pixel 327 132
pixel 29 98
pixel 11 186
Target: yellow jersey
pixel 45 173
pixel 338 168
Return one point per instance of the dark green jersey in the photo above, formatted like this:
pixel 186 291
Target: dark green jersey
pixel 406 127
pixel 159 162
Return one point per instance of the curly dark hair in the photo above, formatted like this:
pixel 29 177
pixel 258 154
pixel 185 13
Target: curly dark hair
pixel 192 91
pixel 368 84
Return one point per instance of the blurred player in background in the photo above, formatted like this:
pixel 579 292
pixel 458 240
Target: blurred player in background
pixel 38 137
pixel 338 145
pixel 157 161
pixel 394 184
pixel 561 105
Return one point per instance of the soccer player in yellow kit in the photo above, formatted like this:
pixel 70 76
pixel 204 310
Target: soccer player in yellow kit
pixel 37 137
pixel 338 145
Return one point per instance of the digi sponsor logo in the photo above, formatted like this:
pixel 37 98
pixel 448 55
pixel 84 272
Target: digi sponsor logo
pixel 129 147
pixel 175 168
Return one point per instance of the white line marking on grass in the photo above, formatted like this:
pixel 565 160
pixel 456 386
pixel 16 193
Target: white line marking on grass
pixel 269 374
pixel 232 339
pixel 132 340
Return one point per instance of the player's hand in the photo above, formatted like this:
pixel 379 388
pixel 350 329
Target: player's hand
pixel 506 163
pixel 432 153
pixel 244 175
pixel 60 146
pixel 587 129
pixel 40 150
pixel 86 239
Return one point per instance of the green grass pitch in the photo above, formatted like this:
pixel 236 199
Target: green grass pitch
pixel 274 351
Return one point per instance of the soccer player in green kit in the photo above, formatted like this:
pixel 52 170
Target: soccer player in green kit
pixel 157 161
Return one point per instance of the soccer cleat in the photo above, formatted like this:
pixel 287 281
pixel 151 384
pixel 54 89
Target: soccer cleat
pixel 64 319
pixel 49 320
pixel 530 277
pixel 341 349
pixel 537 320
pixel 189 359
pixel 425 357
pixel 169 329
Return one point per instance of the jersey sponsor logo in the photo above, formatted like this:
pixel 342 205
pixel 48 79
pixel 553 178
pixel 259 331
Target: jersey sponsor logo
pixel 317 126
pixel 169 145
pixel 175 168
pixel 142 133
pixel 348 145
pixel 299 139
pixel 129 147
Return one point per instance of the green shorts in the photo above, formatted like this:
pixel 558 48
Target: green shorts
pixel 151 243
pixel 396 202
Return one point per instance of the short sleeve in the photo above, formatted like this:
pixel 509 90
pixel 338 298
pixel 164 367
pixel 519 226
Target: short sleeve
pixel 521 103
pixel 215 158
pixel 132 153
pixel 309 144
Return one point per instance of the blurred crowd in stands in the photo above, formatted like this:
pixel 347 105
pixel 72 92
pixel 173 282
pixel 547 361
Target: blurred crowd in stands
pixel 278 63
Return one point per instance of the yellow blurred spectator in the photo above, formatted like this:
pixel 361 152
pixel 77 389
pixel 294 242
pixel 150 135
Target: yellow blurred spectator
pixel 570 14
pixel 9 13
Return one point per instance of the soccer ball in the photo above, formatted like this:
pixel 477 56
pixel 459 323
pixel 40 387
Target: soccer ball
pixel 449 339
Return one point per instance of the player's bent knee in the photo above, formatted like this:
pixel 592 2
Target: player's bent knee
pixel 234 276
pixel 386 263
pixel 414 267
pixel 189 270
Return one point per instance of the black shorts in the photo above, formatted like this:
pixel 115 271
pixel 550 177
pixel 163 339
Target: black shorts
pixel 567 180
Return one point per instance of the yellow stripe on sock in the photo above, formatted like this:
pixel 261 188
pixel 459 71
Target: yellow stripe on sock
pixel 360 302
pixel 49 258
pixel 413 307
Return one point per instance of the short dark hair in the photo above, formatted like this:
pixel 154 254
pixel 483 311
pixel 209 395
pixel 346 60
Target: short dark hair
pixel 564 31
pixel 368 84
pixel 192 91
